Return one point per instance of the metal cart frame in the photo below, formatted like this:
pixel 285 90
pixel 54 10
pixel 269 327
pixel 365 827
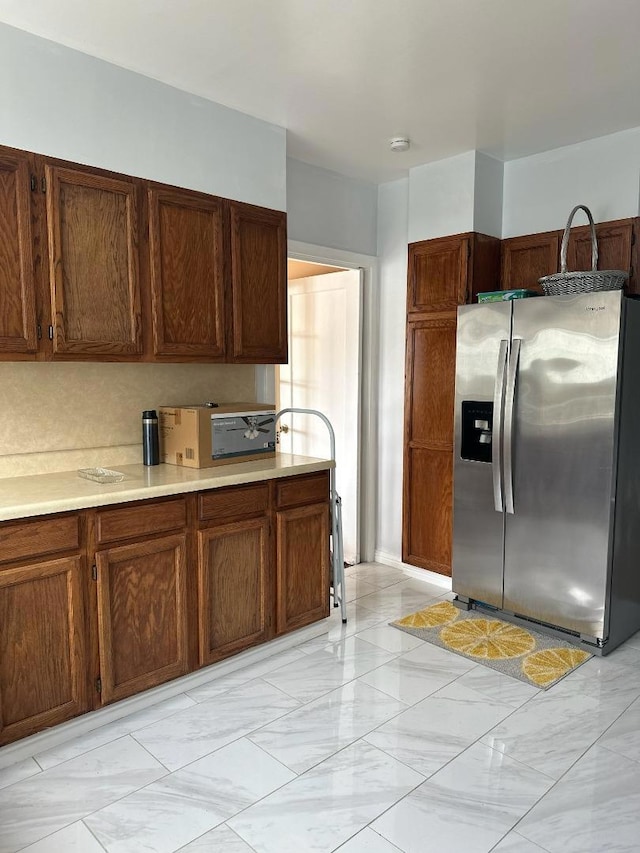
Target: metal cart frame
pixel 337 548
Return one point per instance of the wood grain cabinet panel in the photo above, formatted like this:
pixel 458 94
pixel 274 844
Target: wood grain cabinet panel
pixel 526 259
pixel 234 503
pixel 186 245
pixel 302 566
pixel 38 537
pixel 43 666
pixel 428 502
pixel 258 284
pixel 296 491
pixel 615 246
pixel 93 263
pixel 142 615
pixel 438 274
pixel 430 372
pixel 132 522
pixel 234 588
pixel 17 284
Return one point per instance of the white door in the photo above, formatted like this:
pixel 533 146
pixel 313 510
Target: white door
pixel 324 373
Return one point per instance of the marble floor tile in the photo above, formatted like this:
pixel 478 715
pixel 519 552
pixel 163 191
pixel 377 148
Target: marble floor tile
pixel 417 674
pixel 238 677
pixel 623 736
pixel 429 735
pixel 113 731
pixel 357 587
pixel 367 841
pixel 401 599
pixel 358 618
pixel 390 639
pixel 377 575
pixel 467 806
pixel 72 839
pixel 205 727
pixel 218 840
pixel 179 808
pixel 594 808
pixel 613 680
pixel 317 730
pixel 18 771
pixel 633 642
pixel 37 807
pixel 328 669
pixel 552 730
pixel 515 843
pixel 497 686
pixel 324 807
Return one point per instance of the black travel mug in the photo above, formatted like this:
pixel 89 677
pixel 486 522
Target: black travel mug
pixel 150 443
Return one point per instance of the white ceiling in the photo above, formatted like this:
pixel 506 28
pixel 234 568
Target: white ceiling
pixel 508 77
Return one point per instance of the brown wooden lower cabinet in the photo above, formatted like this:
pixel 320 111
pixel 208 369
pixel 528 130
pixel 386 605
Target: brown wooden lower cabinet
pixel 98 605
pixel 234 589
pixel 428 503
pixel 142 615
pixel 43 668
pixel 302 566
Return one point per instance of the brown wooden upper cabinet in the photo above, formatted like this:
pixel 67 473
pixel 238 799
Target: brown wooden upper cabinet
pixel 92 228
pixel 450 271
pixel 17 284
pixel 526 259
pixel 615 248
pixel 258 284
pixel 186 272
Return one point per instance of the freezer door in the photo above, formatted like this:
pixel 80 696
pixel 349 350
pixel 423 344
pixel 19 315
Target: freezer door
pixel 559 499
pixel 478 519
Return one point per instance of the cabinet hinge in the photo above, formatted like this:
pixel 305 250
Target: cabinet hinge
pixel 39 331
pixel 94 573
pixel 43 185
pixel 50 333
pixel 34 183
pixel 98 685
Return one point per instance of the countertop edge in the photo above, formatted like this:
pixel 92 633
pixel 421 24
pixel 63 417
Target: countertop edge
pixel 84 494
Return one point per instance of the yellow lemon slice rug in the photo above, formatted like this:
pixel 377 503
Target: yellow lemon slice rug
pixel 525 654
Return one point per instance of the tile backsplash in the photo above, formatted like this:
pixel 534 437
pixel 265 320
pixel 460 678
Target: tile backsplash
pixel 58 417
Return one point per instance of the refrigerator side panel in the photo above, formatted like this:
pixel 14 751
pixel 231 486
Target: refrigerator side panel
pixel 557 539
pixel 478 527
pixel 624 608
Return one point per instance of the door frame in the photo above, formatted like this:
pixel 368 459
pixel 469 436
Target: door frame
pixel 265 376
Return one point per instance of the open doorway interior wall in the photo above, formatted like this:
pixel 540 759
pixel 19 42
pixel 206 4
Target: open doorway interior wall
pixel 324 373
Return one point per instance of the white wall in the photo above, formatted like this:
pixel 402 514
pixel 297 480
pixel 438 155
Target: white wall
pixel 327 209
pixel 603 173
pixel 58 101
pixel 488 195
pixel 441 197
pixel 393 225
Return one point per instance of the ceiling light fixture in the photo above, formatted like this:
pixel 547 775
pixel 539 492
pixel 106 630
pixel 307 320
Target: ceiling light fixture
pixel 400 143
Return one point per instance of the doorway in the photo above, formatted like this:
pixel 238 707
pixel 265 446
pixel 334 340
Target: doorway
pixel 324 372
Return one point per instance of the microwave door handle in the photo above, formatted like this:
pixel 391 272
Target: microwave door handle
pixel 509 407
pixel 496 442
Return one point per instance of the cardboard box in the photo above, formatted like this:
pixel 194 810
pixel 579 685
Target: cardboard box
pixel 203 436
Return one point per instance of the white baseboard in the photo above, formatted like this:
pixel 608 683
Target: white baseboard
pixel 30 746
pixel 414 572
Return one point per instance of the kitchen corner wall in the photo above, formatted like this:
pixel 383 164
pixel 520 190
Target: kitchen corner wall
pixel 59 417
pixel 60 102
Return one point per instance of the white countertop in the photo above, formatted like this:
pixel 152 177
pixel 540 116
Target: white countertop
pixel 41 494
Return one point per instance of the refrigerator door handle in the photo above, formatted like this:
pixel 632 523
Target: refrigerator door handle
pixel 496 443
pixel 509 406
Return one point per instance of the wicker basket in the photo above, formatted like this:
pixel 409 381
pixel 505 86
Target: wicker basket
pixel 564 282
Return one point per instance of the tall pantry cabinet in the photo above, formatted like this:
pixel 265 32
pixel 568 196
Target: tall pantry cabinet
pixel 442 274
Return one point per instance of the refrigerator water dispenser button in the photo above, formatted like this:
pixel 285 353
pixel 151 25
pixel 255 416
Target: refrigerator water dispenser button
pixel 477 430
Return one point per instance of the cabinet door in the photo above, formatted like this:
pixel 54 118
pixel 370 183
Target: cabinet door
pixel 615 240
pixel 142 615
pixel 428 509
pixel 233 588
pixel 438 274
pixel 186 274
pixel 302 566
pixel 43 678
pixel 17 285
pixel 526 259
pixel 259 284
pixel 93 264
pixel 428 461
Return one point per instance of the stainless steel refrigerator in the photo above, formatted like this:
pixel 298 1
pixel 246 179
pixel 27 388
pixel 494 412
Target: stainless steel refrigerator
pixel 547 464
